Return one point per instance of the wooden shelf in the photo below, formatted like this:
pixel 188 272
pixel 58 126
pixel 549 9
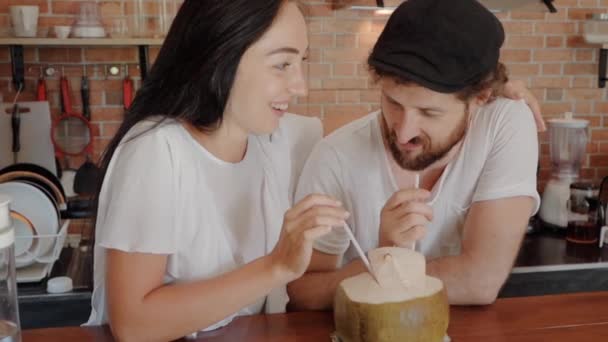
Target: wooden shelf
pixel 81 41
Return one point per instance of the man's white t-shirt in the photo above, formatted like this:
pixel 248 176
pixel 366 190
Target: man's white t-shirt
pixel 164 193
pixel 498 159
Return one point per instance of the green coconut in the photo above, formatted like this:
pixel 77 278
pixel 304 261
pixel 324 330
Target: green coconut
pixel 404 304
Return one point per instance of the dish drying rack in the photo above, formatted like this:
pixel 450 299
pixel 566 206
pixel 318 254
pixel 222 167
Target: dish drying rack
pixel 43 264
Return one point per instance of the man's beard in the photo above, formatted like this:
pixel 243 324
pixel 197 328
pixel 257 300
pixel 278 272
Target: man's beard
pixel 430 154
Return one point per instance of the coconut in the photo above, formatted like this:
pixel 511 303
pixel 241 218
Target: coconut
pixel 403 305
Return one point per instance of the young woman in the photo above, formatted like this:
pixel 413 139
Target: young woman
pixel 194 225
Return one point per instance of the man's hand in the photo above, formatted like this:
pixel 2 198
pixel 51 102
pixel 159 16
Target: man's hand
pixel 517 90
pixel 404 218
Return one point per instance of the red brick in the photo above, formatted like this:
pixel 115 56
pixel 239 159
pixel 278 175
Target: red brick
pixel 515 55
pixel 350 96
pixel 345 55
pixel 552 69
pixel 521 42
pixel 345 109
pixel 355 83
pixel 370 96
pixel 553 55
pixel 346 40
pixel 122 54
pixel 316 70
pixel 324 40
pixel 582 13
pixel 584 94
pixel 598 160
pixel 60 55
pixel 517 15
pixel 598 134
pixel 551 82
pixel 559 108
pixel 320 97
pixel 518 27
pixel 578 42
pixel 344 69
pixel 583 82
pixel 554 41
pixel 555 28
pixel 584 55
pixel 523 69
pixel 580 69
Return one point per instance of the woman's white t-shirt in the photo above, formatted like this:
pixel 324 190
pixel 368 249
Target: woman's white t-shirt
pixel 164 193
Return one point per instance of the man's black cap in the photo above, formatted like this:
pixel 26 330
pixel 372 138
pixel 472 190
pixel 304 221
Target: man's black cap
pixel 443 45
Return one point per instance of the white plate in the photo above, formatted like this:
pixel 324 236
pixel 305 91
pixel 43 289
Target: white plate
pixel 36 206
pixel 27 245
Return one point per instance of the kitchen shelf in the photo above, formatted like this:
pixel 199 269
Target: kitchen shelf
pixel 16 50
pixel 82 41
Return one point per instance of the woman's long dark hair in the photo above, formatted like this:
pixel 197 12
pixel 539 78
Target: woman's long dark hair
pixel 195 69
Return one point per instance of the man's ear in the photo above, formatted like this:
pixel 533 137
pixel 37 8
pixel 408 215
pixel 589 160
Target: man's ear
pixel 483 97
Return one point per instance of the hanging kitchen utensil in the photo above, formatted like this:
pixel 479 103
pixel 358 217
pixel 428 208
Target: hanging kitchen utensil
pixel 16 126
pixel 72 136
pixel 127 89
pixel 41 94
pixel 85 180
pixel 85 94
pixel 16 129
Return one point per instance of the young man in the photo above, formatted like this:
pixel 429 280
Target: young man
pixel 475 158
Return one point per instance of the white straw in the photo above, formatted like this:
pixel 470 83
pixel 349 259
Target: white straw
pixel 360 251
pixel 416 186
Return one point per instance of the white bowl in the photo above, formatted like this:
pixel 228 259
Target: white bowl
pixel 89 32
pixel 62 32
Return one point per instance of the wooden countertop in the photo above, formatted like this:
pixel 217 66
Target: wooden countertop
pixel 573 317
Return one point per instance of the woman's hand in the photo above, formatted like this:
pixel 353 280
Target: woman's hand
pixel 517 90
pixel 311 218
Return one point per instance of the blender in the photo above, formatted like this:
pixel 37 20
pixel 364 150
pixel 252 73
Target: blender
pixel 568 143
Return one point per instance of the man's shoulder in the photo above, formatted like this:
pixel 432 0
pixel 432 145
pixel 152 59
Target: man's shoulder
pixel 503 114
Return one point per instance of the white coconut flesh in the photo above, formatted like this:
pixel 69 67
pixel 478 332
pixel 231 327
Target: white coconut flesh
pixel 401 275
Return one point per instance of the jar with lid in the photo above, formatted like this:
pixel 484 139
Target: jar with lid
pixel 585 213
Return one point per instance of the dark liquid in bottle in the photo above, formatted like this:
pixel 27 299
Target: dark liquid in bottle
pixel 582 232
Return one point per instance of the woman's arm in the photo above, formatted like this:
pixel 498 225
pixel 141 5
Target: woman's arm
pixel 141 308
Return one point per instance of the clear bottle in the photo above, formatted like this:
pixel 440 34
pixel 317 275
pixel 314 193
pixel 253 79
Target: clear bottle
pixel 10 328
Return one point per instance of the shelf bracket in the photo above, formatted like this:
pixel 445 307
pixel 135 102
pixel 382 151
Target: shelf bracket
pixel 17 66
pixel 549 4
pixel 602 68
pixel 143 60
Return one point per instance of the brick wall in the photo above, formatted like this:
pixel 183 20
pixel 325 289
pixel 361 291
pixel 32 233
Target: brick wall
pixel 545 50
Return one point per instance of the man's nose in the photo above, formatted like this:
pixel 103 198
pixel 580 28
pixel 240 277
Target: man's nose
pixel 409 127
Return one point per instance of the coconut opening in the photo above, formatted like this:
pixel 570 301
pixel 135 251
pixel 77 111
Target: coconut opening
pixel 401 275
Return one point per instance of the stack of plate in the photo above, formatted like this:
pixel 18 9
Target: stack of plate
pixel 36 199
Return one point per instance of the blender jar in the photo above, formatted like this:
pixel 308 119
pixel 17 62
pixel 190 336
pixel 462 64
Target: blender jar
pixel 568 139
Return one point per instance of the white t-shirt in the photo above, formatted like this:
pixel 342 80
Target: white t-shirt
pixel 164 193
pixel 498 159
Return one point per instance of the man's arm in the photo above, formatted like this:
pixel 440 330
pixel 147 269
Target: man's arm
pixel 492 234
